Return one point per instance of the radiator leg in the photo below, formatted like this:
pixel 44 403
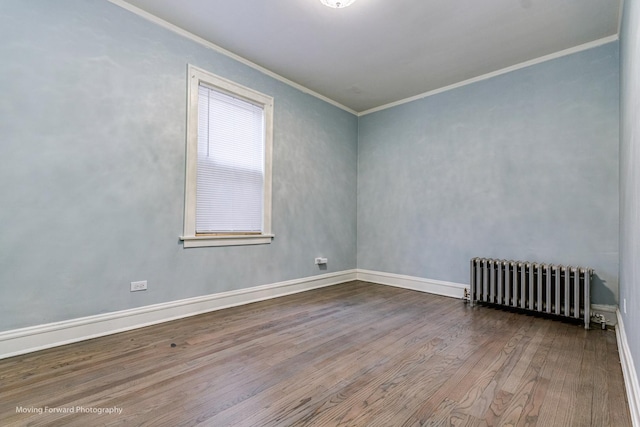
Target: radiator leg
pixel 575 273
pixel 485 280
pixel 557 277
pixel 567 292
pixel 499 268
pixel 472 284
pixel 587 297
pixel 523 284
pixel 532 284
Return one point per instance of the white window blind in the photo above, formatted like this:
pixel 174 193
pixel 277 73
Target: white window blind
pixel 230 164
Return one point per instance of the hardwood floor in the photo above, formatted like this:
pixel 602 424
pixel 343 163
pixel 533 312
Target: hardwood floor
pixel 355 354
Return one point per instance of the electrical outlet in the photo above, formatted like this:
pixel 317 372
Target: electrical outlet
pixel 139 286
pixel 624 305
pixel 320 261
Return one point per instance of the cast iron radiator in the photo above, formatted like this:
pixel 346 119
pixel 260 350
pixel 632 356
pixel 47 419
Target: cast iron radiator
pixel 545 288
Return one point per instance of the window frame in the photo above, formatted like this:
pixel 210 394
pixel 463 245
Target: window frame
pixel 190 238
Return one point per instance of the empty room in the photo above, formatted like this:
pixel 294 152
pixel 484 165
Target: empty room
pixel 320 212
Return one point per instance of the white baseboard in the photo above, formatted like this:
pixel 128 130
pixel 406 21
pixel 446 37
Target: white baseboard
pixel 40 337
pixel 34 338
pixel 438 287
pixel 629 372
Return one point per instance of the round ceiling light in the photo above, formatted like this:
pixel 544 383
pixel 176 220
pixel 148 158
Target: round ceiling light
pixel 338 4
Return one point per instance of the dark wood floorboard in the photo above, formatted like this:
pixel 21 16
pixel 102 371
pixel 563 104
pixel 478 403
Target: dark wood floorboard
pixel 356 354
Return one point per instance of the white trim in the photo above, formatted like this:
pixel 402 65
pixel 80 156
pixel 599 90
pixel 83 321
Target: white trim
pixel 26 340
pixel 197 76
pixel 161 22
pixel 203 241
pixel 628 372
pixel 519 66
pixel 438 287
pixel 184 33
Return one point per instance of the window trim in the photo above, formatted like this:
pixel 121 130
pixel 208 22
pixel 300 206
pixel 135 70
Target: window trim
pixel 190 238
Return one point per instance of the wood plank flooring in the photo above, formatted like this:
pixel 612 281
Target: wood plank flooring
pixel 356 354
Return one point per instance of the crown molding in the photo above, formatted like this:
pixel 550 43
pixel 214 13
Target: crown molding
pixel 506 70
pixel 184 33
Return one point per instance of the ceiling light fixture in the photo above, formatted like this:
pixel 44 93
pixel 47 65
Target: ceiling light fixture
pixel 337 4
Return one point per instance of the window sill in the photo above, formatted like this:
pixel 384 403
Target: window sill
pixel 202 241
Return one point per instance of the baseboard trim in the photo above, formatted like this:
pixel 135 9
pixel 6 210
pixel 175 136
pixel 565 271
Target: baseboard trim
pixel 40 337
pixel 438 287
pixel 629 372
pixel 26 340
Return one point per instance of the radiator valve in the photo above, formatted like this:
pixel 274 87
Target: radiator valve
pixel 601 319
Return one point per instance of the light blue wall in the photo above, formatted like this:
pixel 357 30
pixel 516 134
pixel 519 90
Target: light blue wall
pixel 92 167
pixel 630 175
pixel 519 166
pixel 92 127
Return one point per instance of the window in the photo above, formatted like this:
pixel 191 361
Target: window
pixel 228 181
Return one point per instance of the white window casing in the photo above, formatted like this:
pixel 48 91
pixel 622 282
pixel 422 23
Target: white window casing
pixel 228 168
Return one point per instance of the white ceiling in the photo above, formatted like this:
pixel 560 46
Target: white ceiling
pixel 377 52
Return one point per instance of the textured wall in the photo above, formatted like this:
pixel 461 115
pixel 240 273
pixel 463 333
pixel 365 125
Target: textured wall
pixel 520 166
pixel 92 158
pixel 92 127
pixel 630 175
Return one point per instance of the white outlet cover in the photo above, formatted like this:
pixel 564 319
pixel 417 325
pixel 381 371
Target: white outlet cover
pixel 139 286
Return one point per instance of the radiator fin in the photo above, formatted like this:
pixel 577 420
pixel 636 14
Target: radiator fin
pixel 545 288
